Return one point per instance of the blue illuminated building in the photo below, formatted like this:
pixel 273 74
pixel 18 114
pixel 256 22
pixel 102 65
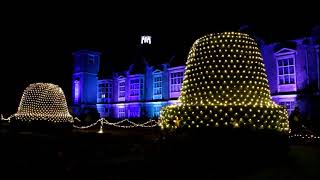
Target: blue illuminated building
pixel 292 69
pixel 139 91
pixel 143 88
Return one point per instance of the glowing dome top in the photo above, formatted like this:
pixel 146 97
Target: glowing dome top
pixel 43 101
pixel 225 84
pixel 225 68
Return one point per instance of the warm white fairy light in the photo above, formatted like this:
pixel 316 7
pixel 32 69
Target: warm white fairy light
pixel 43 101
pixel 308 136
pixel 225 73
pixel 101 128
pixel 149 124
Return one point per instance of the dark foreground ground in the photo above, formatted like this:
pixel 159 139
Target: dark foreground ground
pixel 146 154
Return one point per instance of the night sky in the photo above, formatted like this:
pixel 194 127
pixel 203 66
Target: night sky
pixel 37 45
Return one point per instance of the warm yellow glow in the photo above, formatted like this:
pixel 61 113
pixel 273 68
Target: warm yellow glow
pixel 100 131
pixel 43 101
pixel 225 81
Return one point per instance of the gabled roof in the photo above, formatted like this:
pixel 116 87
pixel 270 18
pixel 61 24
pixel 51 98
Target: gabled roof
pixel 286 44
pixel 285 51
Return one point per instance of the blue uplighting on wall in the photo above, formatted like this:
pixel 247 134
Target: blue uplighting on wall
pixel 128 94
pixel 76 91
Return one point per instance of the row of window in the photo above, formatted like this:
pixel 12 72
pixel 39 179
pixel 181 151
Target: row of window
pixel 136 87
pixel 286 75
pixel 135 112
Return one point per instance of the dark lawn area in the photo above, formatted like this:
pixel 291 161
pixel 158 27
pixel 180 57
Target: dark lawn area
pixel 146 154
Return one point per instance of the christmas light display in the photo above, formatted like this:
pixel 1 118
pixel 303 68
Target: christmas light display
pixel 101 128
pixel 43 101
pixel 102 121
pixel 304 136
pixel 225 85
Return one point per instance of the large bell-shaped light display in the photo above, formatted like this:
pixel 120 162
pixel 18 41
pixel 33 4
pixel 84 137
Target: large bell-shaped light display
pixel 225 85
pixel 43 102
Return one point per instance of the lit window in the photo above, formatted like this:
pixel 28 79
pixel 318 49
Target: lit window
pixel 105 92
pixel 134 112
pixel 136 88
pixel 156 111
pixel 286 71
pixel 157 86
pixel 176 79
pixel 290 105
pixel 122 90
pixel 109 91
pixel 76 91
pixel 121 112
pixel 104 111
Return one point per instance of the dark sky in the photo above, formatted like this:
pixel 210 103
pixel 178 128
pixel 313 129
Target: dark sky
pixel 37 43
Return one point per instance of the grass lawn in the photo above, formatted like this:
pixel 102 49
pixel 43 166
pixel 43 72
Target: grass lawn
pixel 143 154
pixel 303 163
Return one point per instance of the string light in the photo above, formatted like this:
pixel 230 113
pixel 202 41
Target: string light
pixel 101 128
pixel 6 119
pixel 43 102
pixel 149 124
pixel 234 82
pixel 304 136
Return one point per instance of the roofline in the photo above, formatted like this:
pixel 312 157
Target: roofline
pixel 86 52
pixel 177 67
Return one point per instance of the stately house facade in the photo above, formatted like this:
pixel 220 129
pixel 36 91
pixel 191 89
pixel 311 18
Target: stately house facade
pixel 292 69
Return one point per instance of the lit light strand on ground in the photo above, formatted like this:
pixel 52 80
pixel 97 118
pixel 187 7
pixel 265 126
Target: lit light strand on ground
pixel 304 136
pixel 6 119
pixel 133 124
pixel 148 124
pixel 89 126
